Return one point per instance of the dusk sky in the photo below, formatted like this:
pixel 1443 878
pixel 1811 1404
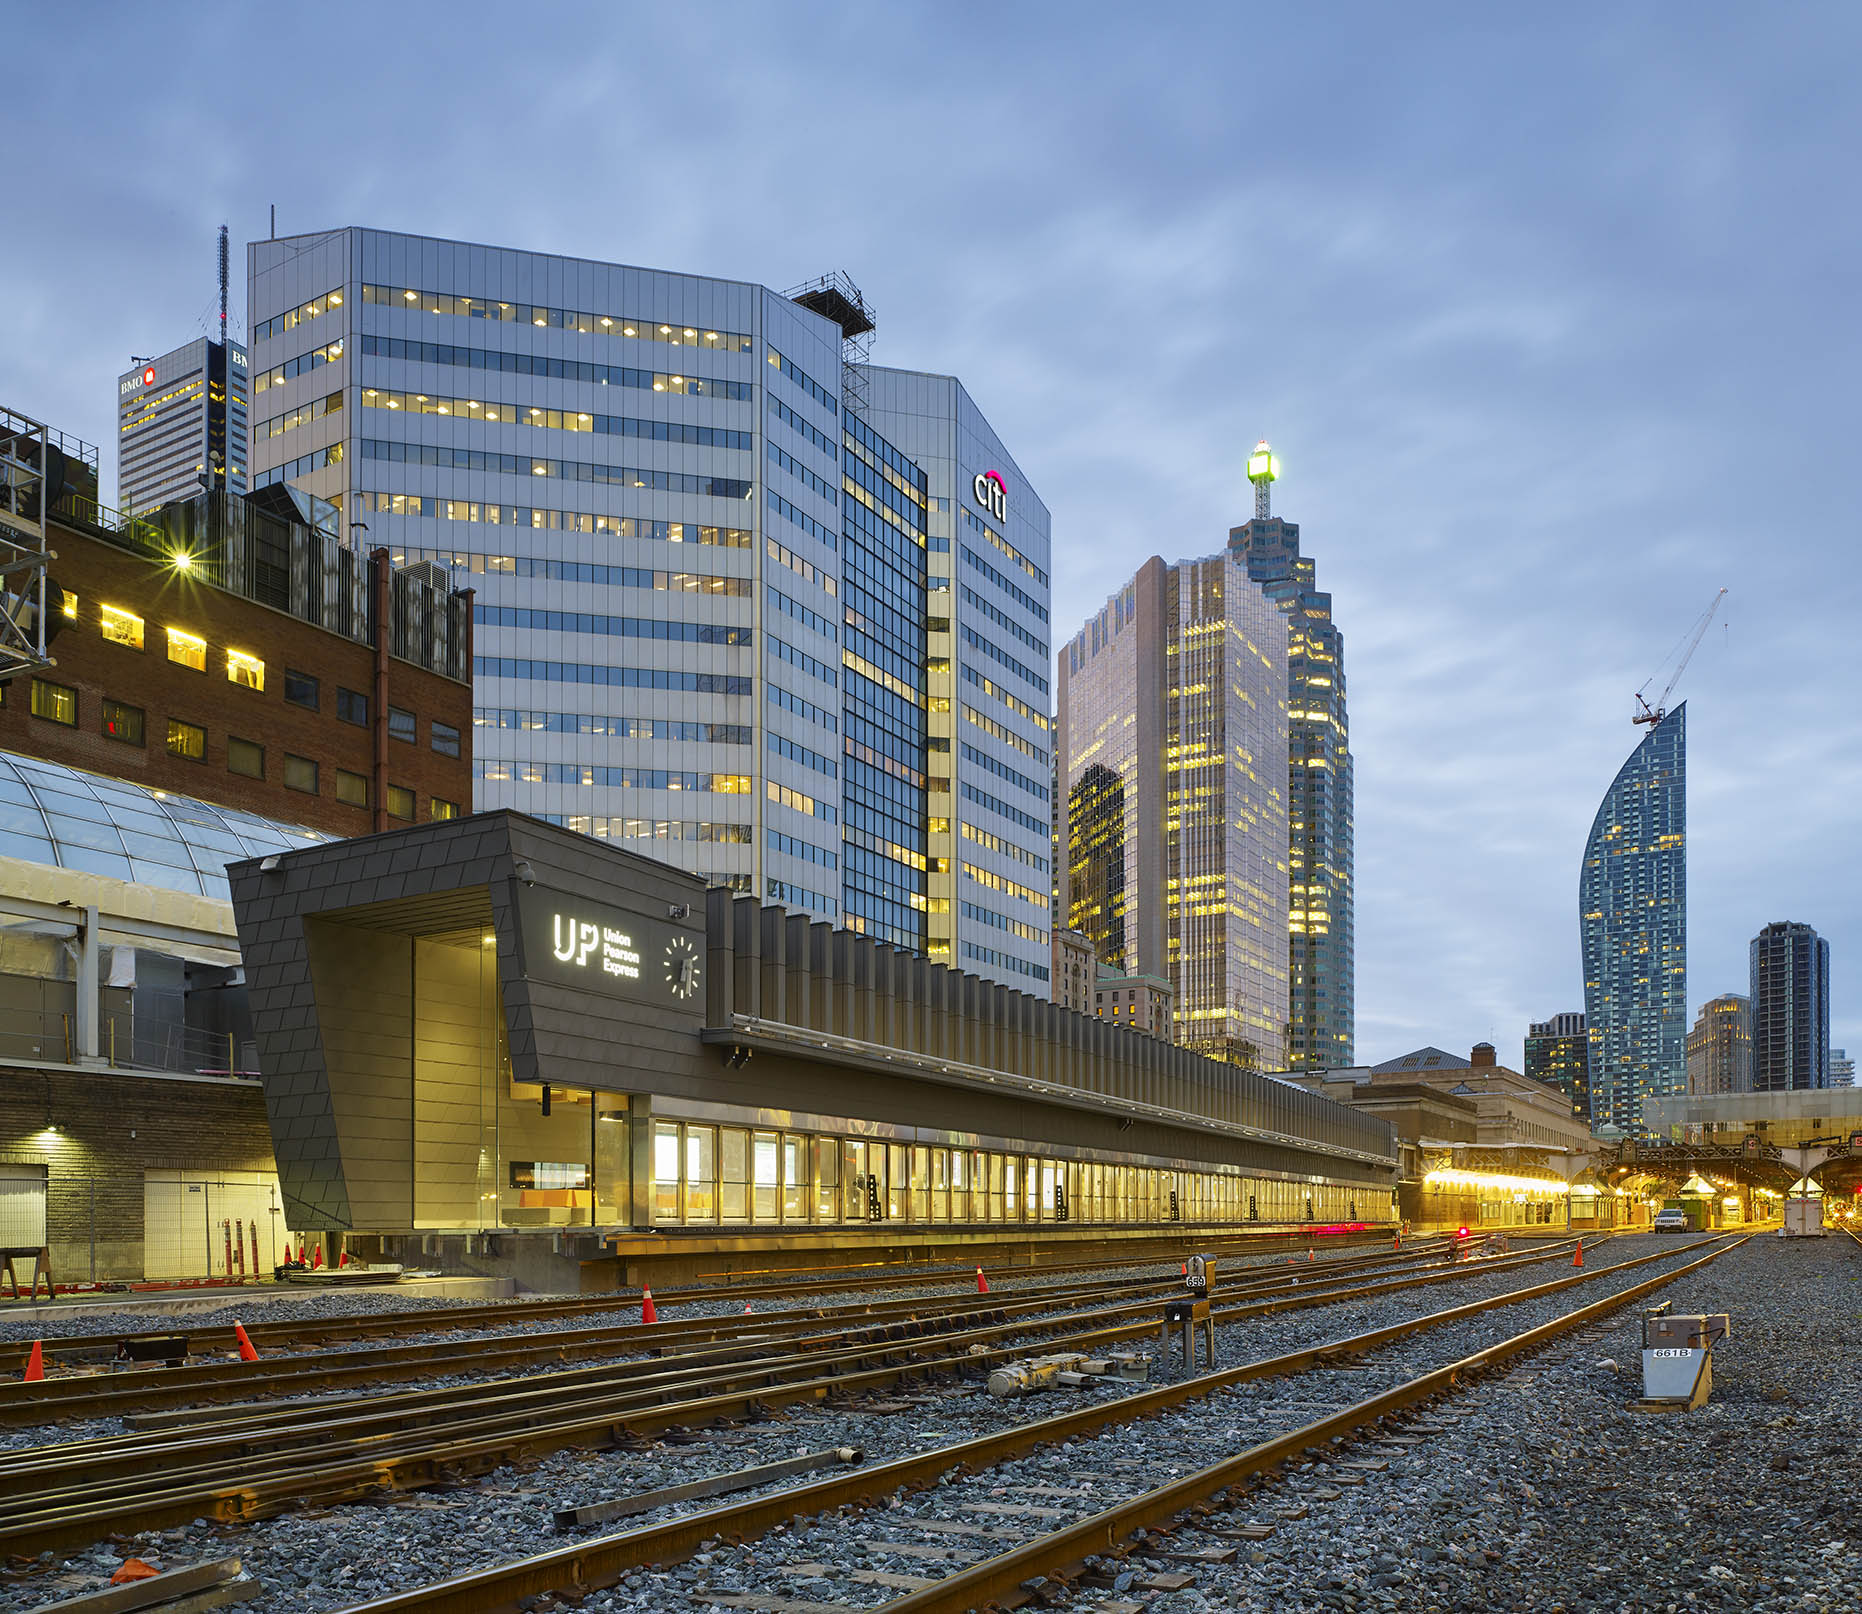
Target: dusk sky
pixel 1544 312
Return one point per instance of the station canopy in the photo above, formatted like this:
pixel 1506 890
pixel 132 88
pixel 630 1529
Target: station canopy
pixel 53 814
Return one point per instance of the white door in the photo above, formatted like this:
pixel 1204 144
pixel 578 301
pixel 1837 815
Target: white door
pixel 205 1224
pixel 22 1206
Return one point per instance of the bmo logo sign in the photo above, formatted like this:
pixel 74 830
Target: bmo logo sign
pixel 137 382
pixel 991 494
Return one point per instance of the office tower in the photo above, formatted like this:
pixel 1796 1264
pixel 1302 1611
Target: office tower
pixel 1558 1052
pixel 1790 1008
pixel 1632 925
pixel 1842 1068
pixel 709 577
pixel 181 425
pixel 988 699
pixel 1319 798
pixel 1173 809
pixel 1719 1048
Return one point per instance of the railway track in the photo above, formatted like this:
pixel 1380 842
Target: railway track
pixel 1060 1505
pixel 256 1461
pixel 292 1333
pixel 97 1394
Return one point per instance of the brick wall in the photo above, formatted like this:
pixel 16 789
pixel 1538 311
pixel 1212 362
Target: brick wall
pixel 109 1129
pixel 100 574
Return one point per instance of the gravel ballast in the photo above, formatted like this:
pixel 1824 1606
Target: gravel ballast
pixel 330 1559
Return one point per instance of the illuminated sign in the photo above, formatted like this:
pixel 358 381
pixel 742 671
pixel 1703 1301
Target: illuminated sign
pixel 143 378
pixel 573 942
pixel 549 1174
pixel 991 494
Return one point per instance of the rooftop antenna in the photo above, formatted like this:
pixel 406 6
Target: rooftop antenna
pixel 1652 715
pixel 1263 472
pixel 224 277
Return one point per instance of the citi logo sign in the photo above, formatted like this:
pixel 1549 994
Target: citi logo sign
pixel 991 494
pixel 572 943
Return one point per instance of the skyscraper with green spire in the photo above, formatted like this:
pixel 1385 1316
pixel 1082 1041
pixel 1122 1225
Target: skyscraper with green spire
pixel 1322 982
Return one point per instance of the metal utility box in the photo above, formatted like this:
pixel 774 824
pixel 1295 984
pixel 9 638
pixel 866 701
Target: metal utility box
pixel 1803 1219
pixel 1677 1356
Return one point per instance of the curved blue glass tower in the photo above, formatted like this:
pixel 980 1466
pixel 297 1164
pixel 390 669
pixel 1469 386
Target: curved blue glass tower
pixel 1632 922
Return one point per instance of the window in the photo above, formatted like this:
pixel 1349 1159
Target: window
pixel 400 802
pixel 352 788
pixel 245 757
pixel 122 627
pixel 352 708
pixel 444 809
pixel 188 649
pixel 300 773
pixel 122 722
pixel 244 669
pixel 401 726
pixel 300 689
pixel 446 739
pixel 187 740
pixel 56 703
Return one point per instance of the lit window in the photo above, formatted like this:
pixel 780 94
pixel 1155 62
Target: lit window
pixel 187 649
pixel 245 757
pixel 400 802
pixel 122 722
pixel 69 604
pixel 56 703
pixel 187 740
pixel 352 788
pixel 244 669
pixel 122 627
pixel 300 773
pixel 444 809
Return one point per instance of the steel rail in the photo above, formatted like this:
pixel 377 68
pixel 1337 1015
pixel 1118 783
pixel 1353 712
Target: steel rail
pixel 647 1384
pixel 281 1332
pixel 383 1454
pixel 998 1581
pixel 93 1398
pixel 150 1389
pixel 584 1566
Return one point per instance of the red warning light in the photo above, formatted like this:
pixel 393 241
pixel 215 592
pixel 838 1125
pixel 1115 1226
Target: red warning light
pixel 1461 1232
pixel 148 376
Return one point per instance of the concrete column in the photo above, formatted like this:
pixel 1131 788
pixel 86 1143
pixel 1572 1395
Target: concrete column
pixel 89 993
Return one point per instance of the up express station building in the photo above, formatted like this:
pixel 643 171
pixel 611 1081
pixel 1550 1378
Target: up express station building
pixel 495 1045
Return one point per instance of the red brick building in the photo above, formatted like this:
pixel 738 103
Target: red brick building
pixel 222 650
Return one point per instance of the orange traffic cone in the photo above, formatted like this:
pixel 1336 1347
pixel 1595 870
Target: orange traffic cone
pixel 316 1259
pixel 246 1352
pixel 35 1364
pixel 1398 1247
pixel 1578 1259
pixel 133 1569
pixel 746 1308
pixel 649 1313
pixel 982 1283
pixel 1184 1268
pixel 1309 1255
pixel 344 1261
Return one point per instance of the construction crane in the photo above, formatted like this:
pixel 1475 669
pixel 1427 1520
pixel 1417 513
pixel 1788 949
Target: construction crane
pixel 1654 714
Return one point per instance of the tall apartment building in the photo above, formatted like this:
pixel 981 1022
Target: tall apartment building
pixel 1842 1068
pixel 1322 983
pixel 1171 732
pixel 1790 973
pixel 733 600
pixel 1719 1048
pixel 1558 1053
pixel 181 426
pixel 1632 929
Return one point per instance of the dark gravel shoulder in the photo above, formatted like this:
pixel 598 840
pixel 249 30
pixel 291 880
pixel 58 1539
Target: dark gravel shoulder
pixel 1547 1492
